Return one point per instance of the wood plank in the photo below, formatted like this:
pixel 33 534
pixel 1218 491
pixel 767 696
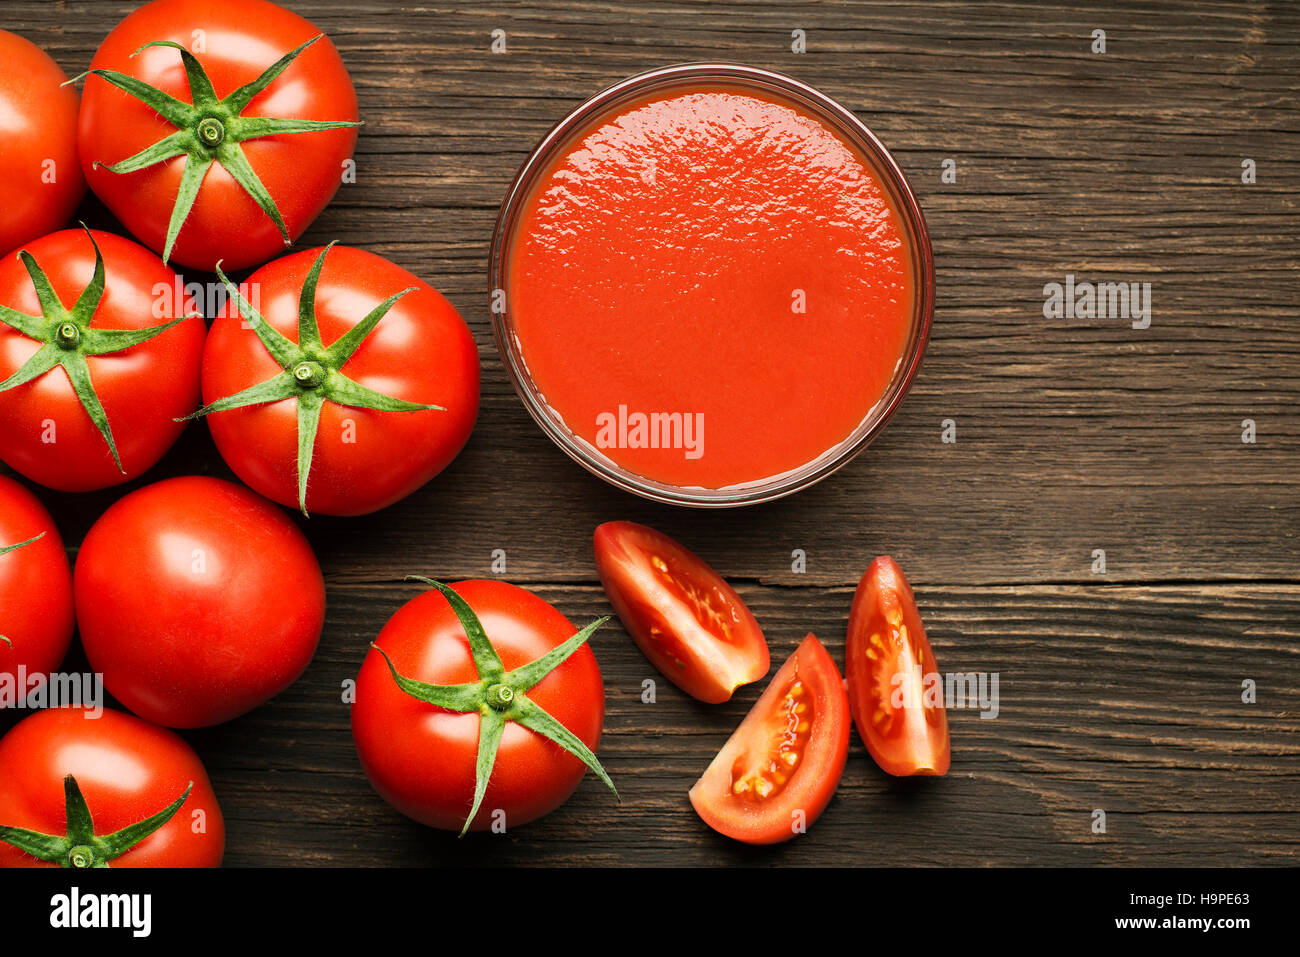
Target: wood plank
pixel 1125 698
pixel 1120 690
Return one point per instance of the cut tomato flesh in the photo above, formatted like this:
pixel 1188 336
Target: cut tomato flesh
pixel 895 689
pixel 779 769
pixel 695 623
pixel 764 770
pixel 709 607
pixel 682 615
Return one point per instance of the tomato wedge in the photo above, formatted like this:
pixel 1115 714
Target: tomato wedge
pixel 896 698
pixel 689 622
pixel 778 770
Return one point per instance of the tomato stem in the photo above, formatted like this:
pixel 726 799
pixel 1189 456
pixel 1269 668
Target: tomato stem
pixel 308 374
pixel 211 132
pixel 500 697
pixel 67 336
pixel 81 856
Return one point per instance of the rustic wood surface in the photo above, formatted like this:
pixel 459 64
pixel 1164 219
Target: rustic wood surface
pixel 1119 691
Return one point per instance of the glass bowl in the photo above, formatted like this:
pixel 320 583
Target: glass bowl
pixel 804 98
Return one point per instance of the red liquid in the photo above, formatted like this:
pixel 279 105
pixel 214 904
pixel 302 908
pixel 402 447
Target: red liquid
pixel 661 264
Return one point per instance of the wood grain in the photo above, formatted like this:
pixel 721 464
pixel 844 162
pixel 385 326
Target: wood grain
pixel 1119 691
pixel 1124 698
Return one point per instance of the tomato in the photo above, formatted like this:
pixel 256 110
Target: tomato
pixel 36 617
pixel 895 688
pixel 126 771
pixel 95 367
pixel 40 179
pixel 689 622
pixel 197 600
pixel 258 162
pixel 778 770
pixel 379 421
pixel 533 724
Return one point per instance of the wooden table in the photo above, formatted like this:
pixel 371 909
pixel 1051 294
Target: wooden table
pixel 1120 690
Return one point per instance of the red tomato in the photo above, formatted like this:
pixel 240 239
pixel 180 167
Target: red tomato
pixel 778 770
pixel 197 600
pixel 363 459
pixel 46 427
pixel 40 180
pixel 126 770
pixel 234 42
pixel 889 663
pixel 421 758
pixel 35 585
pixel 689 622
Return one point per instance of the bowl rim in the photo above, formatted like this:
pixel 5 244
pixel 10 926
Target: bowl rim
pixel 840 119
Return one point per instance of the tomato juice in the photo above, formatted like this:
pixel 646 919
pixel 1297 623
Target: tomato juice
pixel 711 286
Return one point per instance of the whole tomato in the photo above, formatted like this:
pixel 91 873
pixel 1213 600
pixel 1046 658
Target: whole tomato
pixel 256 124
pixel 36 617
pixel 197 601
pixel 99 356
pixel 40 179
pixel 82 776
pixel 532 724
pixel 376 372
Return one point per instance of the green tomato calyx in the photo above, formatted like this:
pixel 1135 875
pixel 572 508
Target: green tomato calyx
pixel 312 371
pixel 67 338
pixel 499 695
pixel 209 130
pixel 81 847
pixel 5 550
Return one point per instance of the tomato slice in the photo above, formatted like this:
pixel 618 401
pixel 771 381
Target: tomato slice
pixel 689 622
pixel 895 689
pixel 778 770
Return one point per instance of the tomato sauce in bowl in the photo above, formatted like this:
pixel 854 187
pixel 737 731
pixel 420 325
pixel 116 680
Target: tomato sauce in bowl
pixel 712 285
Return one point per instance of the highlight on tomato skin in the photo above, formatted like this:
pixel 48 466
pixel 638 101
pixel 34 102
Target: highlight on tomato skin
pixel 37 617
pixel 681 613
pixel 779 769
pixel 895 690
pixel 40 135
pixel 197 600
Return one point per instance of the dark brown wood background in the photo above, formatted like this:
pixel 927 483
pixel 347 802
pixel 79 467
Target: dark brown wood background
pixel 1119 691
